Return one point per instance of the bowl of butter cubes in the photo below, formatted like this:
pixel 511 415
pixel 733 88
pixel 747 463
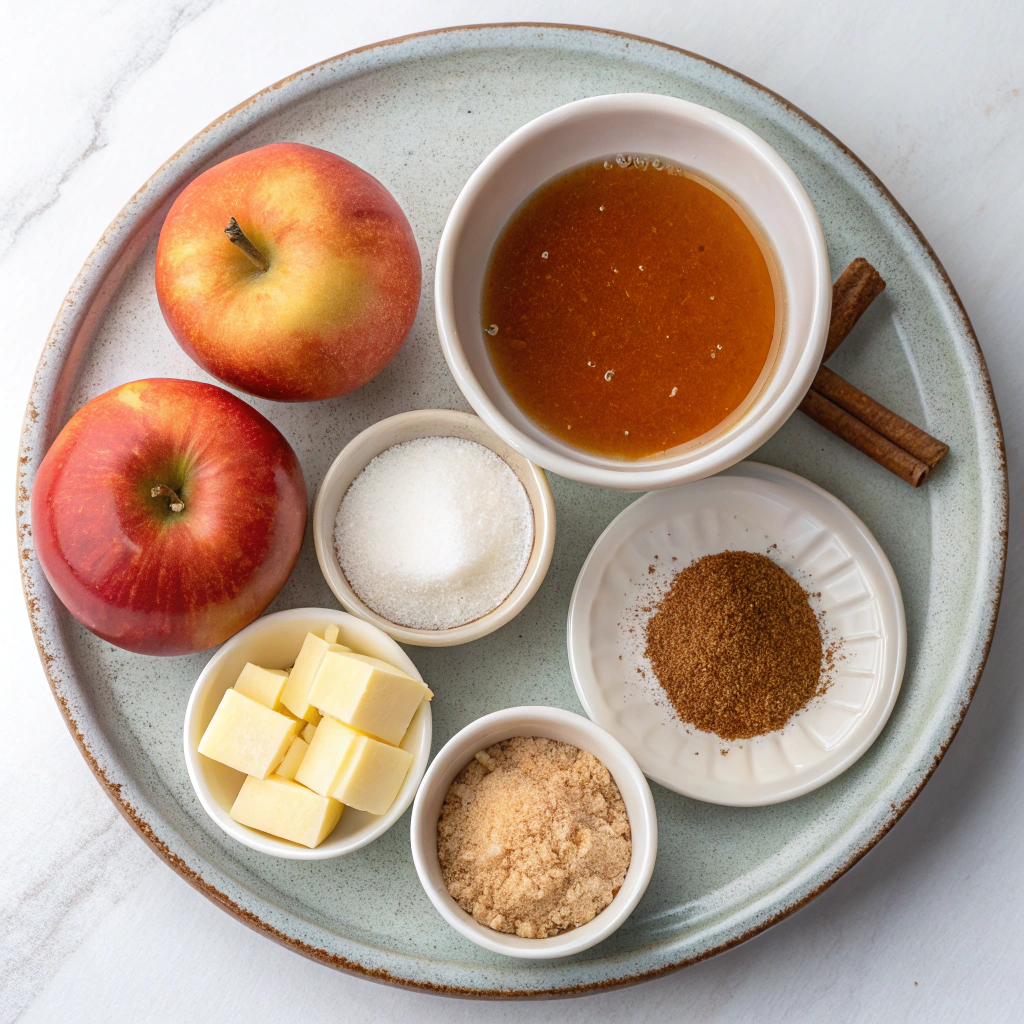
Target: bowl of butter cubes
pixel 307 734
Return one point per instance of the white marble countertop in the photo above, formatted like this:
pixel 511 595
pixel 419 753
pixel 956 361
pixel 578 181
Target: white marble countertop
pixel 94 95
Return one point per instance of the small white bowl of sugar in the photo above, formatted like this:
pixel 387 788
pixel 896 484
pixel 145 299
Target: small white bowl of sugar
pixel 432 528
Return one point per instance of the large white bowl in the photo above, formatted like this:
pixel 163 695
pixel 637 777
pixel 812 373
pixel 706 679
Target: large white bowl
pixel 702 140
pixel 555 724
pixel 273 642
pixel 408 426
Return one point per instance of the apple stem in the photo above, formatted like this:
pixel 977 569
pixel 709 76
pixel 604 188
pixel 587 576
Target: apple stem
pixel 237 235
pixel 177 505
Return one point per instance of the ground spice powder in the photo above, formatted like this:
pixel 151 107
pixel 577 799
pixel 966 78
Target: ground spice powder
pixel 735 645
pixel 533 837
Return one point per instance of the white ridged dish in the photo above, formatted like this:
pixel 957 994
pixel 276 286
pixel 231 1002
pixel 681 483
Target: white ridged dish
pixel 820 542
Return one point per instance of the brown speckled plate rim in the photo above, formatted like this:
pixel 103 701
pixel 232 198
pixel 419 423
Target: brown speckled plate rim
pixel 114 239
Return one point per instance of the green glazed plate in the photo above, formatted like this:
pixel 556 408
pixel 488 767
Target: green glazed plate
pixel 420 113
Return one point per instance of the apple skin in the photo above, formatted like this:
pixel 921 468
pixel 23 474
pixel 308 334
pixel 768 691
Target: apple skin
pixel 133 571
pixel 340 294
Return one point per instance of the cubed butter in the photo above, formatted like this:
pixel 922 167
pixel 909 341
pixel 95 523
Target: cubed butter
pixel 308 731
pixel 321 767
pixel 244 734
pixel 367 694
pixel 286 810
pixel 372 775
pixel 290 764
pixel 296 691
pixel 262 684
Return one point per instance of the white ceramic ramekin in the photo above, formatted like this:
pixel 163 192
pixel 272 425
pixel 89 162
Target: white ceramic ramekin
pixel 702 140
pixel 406 427
pixel 273 642
pixel 555 724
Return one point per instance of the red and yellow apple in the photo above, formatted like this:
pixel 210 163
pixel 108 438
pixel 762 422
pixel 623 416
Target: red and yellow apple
pixel 311 291
pixel 167 515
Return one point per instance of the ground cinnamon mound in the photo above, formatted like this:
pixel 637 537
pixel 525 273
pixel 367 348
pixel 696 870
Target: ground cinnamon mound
pixel 533 837
pixel 735 645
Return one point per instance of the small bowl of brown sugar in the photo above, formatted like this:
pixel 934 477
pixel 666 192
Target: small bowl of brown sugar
pixel 534 833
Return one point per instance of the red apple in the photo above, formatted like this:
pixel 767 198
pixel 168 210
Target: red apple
pixel 316 291
pixel 167 515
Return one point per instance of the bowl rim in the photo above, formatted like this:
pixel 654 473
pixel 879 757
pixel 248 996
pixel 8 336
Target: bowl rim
pixel 263 842
pixel 632 783
pixel 530 475
pixel 635 476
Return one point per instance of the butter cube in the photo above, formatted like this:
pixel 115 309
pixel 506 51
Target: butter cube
pixel 290 764
pixel 308 732
pixel 296 691
pixel 321 767
pixel 286 810
pixel 262 684
pixel 367 694
pixel 244 734
pixel 372 775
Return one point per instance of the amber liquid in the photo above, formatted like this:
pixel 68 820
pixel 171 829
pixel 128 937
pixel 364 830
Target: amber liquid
pixel 630 309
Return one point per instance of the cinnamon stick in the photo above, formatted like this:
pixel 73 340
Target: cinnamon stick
pixel 853 416
pixel 887 423
pixel 857 433
pixel 854 290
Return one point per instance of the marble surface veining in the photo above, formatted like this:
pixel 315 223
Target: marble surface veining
pixel 95 96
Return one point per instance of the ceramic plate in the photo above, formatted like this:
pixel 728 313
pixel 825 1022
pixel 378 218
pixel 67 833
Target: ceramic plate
pixel 420 113
pixel 816 539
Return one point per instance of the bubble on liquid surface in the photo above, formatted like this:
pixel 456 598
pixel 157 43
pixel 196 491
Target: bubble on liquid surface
pixel 492 330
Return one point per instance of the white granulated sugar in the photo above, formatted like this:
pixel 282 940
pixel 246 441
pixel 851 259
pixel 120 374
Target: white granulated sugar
pixel 434 532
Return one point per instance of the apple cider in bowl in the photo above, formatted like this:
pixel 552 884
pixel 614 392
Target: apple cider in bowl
pixel 631 308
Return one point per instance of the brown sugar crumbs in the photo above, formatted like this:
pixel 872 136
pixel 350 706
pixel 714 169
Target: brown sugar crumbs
pixel 533 837
pixel 735 645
